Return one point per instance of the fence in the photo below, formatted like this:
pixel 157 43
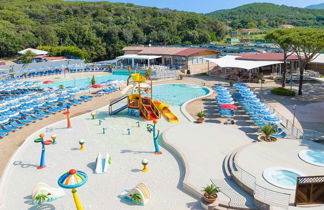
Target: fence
pixel 288 125
pixel 164 74
pixel 260 193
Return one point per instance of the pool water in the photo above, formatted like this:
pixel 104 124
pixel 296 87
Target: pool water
pixel 315 157
pixel 281 177
pixel 85 82
pixel 178 94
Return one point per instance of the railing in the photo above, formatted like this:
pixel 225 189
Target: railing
pixel 260 193
pixel 287 124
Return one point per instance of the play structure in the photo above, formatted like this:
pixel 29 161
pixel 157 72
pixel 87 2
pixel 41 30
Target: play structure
pixel 44 143
pixel 72 180
pixel 166 112
pixel 68 116
pixel 139 195
pixel 43 193
pixel 151 128
pixel 102 164
pixel 139 96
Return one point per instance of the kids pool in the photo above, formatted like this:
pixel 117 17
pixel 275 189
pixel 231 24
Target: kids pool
pixel 178 94
pixel 281 177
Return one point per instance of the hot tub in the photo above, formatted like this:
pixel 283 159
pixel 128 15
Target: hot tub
pixel 314 157
pixel 285 178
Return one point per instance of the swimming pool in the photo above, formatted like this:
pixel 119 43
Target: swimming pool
pixel 285 178
pixel 178 94
pixel 315 157
pixel 85 82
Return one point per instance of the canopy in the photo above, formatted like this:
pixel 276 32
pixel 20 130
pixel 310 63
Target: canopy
pixel 35 51
pixel 230 61
pixel 135 56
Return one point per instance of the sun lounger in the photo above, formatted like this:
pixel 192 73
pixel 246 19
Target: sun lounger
pixel 280 135
pixel 14 123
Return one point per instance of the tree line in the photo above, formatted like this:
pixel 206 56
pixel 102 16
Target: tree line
pixel 267 15
pixel 101 29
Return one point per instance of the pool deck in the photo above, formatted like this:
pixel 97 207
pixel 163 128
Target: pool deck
pixel 127 152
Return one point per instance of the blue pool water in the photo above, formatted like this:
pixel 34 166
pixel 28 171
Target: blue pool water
pixel 85 82
pixel 284 178
pixel 177 94
pixel 315 157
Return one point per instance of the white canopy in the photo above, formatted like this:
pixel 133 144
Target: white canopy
pixel 136 56
pixel 35 51
pixel 319 59
pixel 230 61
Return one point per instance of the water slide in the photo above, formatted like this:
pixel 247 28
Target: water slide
pixel 166 112
pixel 149 110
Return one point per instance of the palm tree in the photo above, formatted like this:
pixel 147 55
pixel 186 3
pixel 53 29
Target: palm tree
pixel 267 131
pixel 41 198
pixel 136 197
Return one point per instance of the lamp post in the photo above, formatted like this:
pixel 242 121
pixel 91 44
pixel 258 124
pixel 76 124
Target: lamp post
pixel 293 122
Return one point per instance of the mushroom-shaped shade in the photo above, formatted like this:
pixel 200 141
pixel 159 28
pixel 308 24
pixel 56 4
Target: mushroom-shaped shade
pixel 72 179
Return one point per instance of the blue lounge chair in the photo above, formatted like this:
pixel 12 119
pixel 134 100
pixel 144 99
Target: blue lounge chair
pixel 280 135
pixel 9 127
pixel 15 124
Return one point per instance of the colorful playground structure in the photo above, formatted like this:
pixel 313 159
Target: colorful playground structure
pixel 72 180
pixel 43 193
pixel 140 100
pixel 44 143
pixel 139 195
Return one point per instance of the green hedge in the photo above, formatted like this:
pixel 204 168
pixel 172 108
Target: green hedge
pixel 282 91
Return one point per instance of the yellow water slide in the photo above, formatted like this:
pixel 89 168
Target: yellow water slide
pixel 166 112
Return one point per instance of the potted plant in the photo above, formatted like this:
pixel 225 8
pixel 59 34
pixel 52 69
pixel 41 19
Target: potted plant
pixel 93 80
pixel 210 193
pixel 201 116
pixel 267 131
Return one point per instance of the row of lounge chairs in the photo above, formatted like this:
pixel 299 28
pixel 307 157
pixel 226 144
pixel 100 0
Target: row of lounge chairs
pixel 27 117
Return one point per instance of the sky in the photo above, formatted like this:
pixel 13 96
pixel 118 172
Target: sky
pixel 203 6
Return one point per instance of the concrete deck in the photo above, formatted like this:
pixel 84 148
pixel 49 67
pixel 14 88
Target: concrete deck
pixel 101 190
pixel 283 153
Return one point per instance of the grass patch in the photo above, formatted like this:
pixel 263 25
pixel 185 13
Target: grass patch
pixel 283 92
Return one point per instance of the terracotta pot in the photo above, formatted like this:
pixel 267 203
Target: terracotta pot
pixel 210 199
pixel 200 120
pixel 262 138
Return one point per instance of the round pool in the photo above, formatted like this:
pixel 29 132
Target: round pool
pixel 178 94
pixel 314 157
pixel 285 178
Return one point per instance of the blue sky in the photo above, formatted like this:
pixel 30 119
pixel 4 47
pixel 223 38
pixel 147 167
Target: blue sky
pixel 203 6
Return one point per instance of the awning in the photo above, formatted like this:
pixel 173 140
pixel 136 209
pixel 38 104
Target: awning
pixel 35 51
pixel 230 61
pixel 136 56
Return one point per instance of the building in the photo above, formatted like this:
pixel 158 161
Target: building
pixel 249 31
pixel 286 26
pixel 34 51
pixel 192 59
pixel 317 64
pixel 249 66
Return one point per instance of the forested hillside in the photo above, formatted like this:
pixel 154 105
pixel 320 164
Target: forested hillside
pixel 316 6
pixel 266 15
pixel 100 28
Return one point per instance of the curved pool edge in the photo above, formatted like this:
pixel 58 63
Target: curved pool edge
pixel 303 156
pixel 183 108
pixel 266 176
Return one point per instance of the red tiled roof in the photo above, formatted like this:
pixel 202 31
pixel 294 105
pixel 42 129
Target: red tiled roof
pixel 2 63
pixel 54 58
pixel 249 29
pixel 190 51
pixel 176 51
pixel 265 57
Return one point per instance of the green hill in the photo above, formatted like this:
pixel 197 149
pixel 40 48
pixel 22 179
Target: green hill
pixel 100 28
pixel 316 6
pixel 265 15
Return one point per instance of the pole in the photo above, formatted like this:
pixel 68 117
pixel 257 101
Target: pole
pixel 293 123
pixel 76 199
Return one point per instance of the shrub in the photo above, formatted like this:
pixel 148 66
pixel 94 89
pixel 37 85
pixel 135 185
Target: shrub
pixel 283 91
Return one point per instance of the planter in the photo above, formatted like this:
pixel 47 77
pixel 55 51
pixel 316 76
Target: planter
pixel 200 120
pixel 210 199
pixel 271 139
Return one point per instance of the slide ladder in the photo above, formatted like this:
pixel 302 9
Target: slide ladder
pixel 149 110
pixel 121 108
